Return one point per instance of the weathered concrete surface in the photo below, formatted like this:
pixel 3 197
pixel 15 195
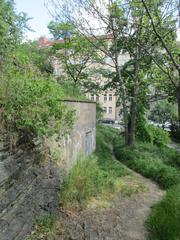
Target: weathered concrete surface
pixel 82 139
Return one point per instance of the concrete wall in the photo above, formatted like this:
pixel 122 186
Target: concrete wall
pixel 82 139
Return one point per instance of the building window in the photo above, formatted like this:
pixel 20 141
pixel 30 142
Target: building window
pixel 57 71
pixel 92 97
pixel 105 109
pixel 110 97
pixel 97 98
pixel 105 97
pixel 110 109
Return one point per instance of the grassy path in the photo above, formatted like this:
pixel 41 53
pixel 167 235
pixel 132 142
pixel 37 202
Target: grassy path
pixel 123 221
pixel 104 199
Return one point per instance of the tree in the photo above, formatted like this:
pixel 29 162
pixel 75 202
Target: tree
pixel 89 33
pixel 164 111
pixel 29 100
pixel 125 26
pixel 168 58
pixel 41 58
pixel 60 30
pixel 75 55
pixel 13 26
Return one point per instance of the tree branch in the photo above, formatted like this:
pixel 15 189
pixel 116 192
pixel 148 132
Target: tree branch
pixel 177 66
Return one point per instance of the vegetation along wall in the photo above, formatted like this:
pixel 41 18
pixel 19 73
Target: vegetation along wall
pixel 30 181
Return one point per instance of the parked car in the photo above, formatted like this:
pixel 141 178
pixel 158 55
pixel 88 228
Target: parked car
pixel 167 126
pixel 160 125
pixel 107 120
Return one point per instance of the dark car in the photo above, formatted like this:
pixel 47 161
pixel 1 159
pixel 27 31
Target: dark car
pixel 107 120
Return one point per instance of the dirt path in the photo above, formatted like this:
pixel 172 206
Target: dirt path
pixel 124 221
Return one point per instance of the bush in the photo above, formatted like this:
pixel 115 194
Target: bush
pixel 71 90
pixel 143 132
pixel 151 161
pixel 163 222
pixel 33 106
pixel 152 134
pixel 163 111
pixel 160 137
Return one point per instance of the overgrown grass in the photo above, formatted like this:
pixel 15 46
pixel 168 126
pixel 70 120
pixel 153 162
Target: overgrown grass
pixel 105 137
pixel 85 180
pixel 44 226
pixel 164 220
pixel 98 175
pixel 158 164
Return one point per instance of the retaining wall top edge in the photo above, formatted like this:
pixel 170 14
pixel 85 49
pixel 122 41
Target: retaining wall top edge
pixel 80 101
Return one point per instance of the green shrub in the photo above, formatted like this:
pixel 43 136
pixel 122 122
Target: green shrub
pixel 71 90
pixel 143 132
pixel 175 161
pixel 160 137
pixel 33 106
pixel 151 161
pixel 152 134
pixel 164 220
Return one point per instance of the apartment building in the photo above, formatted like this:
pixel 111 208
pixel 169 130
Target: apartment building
pixel 108 101
pixel 108 98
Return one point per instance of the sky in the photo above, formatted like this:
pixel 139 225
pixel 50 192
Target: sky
pixel 40 17
pixel 39 14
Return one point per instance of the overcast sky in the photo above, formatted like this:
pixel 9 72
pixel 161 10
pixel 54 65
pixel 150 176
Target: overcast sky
pixel 40 15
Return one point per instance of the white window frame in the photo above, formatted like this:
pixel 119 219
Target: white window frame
pixel 110 97
pixel 92 97
pixel 110 110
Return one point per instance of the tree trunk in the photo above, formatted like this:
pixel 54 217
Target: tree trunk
pixel 123 96
pixel 132 123
pixel 125 111
pixel 178 103
pixel 125 116
pixel 133 107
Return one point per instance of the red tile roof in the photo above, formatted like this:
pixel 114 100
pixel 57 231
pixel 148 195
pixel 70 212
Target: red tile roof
pixel 44 42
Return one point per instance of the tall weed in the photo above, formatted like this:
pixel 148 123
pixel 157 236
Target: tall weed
pixel 164 220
